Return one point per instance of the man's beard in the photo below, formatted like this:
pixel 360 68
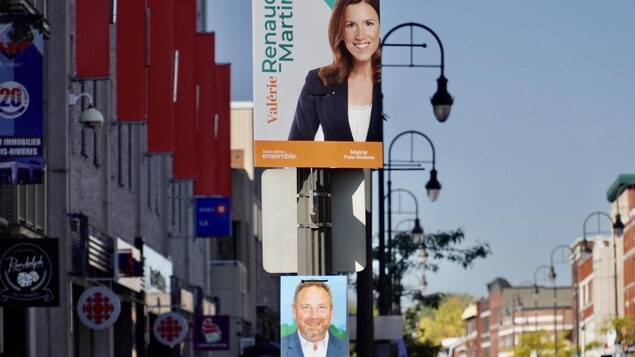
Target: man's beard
pixel 313 329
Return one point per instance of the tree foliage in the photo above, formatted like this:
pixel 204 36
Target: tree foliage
pixel 440 247
pixel 624 328
pixel 426 326
pixel 541 344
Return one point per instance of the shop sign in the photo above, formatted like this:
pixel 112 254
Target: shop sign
pixel 211 333
pixel 98 307
pixel 170 328
pixel 213 217
pixel 29 272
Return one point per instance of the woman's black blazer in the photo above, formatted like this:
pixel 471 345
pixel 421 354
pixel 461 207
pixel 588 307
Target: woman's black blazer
pixel 319 105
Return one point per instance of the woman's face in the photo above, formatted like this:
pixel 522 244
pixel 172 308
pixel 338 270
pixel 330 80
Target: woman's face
pixel 361 31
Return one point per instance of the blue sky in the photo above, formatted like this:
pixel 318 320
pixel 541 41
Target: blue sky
pixel 542 124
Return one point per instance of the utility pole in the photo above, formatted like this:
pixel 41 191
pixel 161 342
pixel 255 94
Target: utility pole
pixel 314 221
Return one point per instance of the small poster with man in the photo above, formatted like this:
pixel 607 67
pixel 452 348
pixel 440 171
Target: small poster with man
pixel 313 316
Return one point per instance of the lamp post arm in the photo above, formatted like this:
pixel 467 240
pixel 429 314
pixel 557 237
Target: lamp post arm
pixel 598 214
pixel 412 133
pixel 412 44
pixel 411 195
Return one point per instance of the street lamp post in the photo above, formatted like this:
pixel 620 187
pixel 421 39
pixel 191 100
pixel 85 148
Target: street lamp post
pixel 552 277
pixel 586 250
pixel 432 186
pixel 442 103
pixel 417 236
pixel 536 293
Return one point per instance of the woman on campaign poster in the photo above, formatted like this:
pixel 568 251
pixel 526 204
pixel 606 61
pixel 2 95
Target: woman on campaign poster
pixel 336 116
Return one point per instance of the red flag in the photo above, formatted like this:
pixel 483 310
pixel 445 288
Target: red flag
pixel 184 162
pixel 92 40
pixel 131 60
pixel 205 143
pixel 161 77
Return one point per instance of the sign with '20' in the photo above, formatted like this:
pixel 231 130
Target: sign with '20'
pixel 14 99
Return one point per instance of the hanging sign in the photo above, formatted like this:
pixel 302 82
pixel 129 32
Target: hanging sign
pixel 212 333
pixel 170 328
pixel 213 217
pixel 98 307
pixel 29 274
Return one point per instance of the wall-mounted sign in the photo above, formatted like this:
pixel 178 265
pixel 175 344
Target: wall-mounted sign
pixel 29 273
pixel 213 217
pixel 170 328
pixel 21 105
pixel 211 333
pixel 98 307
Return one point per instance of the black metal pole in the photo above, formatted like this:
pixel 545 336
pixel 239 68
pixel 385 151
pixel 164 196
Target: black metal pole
pixel 314 220
pixel 365 324
pixel 383 305
pixel 389 248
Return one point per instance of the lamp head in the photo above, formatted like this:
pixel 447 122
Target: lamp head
pixel 91 117
pixel 552 274
pixel 618 226
pixel 442 100
pixel 417 232
pixel 585 250
pixel 433 187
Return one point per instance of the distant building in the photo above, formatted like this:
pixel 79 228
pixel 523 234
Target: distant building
pixel 494 325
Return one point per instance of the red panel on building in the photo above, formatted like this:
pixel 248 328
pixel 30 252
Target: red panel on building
pixel 222 135
pixel 131 60
pixel 205 115
pixel 161 77
pixel 92 40
pixel 184 162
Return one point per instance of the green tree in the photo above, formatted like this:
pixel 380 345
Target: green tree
pixel 427 326
pixel 541 344
pixel 624 327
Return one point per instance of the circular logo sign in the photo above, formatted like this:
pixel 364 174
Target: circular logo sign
pixel 170 328
pixel 14 99
pixel 25 272
pixel 98 307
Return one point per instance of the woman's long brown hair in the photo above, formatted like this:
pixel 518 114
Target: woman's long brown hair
pixel 338 71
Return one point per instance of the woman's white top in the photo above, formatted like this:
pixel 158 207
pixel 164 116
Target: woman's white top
pixel 359 121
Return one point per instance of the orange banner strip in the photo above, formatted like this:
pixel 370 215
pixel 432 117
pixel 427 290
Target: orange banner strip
pixel 335 154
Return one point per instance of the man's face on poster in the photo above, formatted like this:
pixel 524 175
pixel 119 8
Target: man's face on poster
pixel 312 312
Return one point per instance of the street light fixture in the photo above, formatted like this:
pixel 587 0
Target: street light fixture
pixel 536 293
pixel 586 250
pixel 417 232
pixel 599 214
pixel 442 103
pixel 552 277
pixel 433 187
pixel 441 100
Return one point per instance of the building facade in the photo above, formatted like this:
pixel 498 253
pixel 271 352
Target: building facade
pixel 116 199
pixel 496 324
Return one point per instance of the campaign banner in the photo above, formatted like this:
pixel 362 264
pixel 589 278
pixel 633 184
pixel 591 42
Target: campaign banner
pixel 213 217
pixel 212 333
pixel 299 120
pixel 313 308
pixel 21 104
pixel 29 272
